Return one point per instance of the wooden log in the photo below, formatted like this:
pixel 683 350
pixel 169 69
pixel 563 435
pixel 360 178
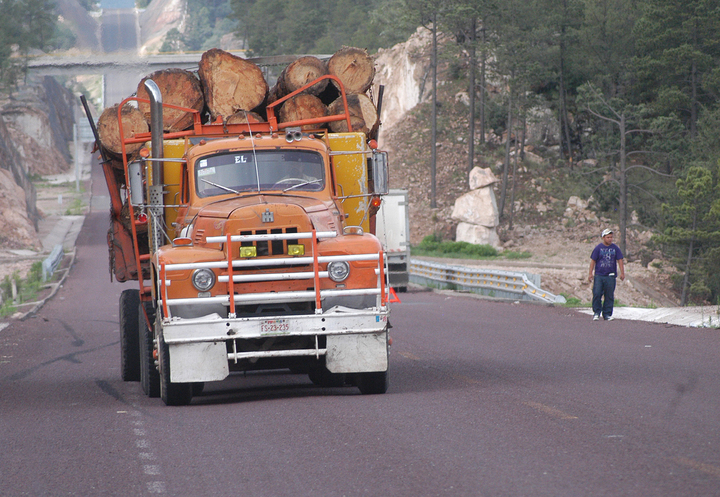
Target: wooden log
pixel 302 106
pixel 354 67
pixel 177 87
pixel 245 117
pixel 301 72
pixel 230 83
pixel 363 114
pixel 133 122
pixel 274 94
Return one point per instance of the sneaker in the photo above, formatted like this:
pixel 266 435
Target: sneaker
pixel 609 318
pixel 596 317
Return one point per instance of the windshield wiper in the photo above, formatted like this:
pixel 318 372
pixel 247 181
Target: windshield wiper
pixel 302 184
pixel 227 189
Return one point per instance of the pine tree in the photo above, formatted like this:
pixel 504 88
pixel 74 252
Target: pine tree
pixel 678 54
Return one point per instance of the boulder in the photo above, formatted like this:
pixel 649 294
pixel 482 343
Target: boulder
pixel 477 207
pixel 478 235
pixel 480 178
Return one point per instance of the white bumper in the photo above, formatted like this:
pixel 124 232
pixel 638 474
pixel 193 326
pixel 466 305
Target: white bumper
pixel 356 341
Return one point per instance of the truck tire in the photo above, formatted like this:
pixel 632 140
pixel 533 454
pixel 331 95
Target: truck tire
pixel 173 394
pixel 129 344
pixel 321 377
pixel 149 375
pixel 372 383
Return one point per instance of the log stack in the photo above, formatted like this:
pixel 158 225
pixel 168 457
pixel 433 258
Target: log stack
pixel 230 89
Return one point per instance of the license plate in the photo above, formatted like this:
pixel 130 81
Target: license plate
pixel 274 326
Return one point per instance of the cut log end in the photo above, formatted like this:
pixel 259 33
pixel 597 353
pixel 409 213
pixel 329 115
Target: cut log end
pixel 363 115
pixel 230 83
pixel 354 67
pixel 302 71
pixel 177 87
pixel 133 123
pixel 300 107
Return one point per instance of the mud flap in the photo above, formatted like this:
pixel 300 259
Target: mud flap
pixel 357 353
pixel 195 362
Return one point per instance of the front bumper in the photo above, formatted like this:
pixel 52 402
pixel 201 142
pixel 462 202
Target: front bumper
pixel 203 349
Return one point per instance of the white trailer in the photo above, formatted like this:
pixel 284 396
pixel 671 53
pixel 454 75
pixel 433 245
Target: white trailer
pixel 393 230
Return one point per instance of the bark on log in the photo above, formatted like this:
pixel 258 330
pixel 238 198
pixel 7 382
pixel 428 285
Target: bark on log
pixel 302 106
pixel 133 122
pixel 354 67
pixel 245 117
pixel 177 87
pixel 230 83
pixel 363 114
pixel 301 72
pixel 274 94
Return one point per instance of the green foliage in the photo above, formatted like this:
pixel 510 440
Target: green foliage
pixel 678 56
pixel 434 245
pixel 306 26
pixel 206 23
pixel 24 25
pixel 27 289
pixel 573 302
pixel 517 255
pixel 693 233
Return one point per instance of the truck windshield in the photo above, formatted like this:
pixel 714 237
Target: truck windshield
pixel 236 172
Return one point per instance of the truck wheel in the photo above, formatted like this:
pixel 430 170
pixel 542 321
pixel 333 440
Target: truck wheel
pixel 129 351
pixel 321 377
pixel 372 383
pixel 149 376
pixel 173 394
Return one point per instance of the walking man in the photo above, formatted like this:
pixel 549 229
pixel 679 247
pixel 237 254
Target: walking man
pixel 604 261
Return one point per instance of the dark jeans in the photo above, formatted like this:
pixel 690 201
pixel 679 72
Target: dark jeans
pixel 604 286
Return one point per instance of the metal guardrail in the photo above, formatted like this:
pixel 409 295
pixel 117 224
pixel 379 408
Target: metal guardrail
pixel 491 282
pixel 51 263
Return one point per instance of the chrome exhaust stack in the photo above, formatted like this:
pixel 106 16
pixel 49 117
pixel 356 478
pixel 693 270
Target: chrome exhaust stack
pixel 155 187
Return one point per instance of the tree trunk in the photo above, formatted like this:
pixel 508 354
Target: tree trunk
pixel 686 277
pixel 433 134
pixel 354 67
pixel 694 101
pixel 514 184
pixel 471 94
pixel 506 165
pixel 230 83
pixel 177 87
pixel 482 88
pixel 363 114
pixel 302 106
pixel 301 72
pixel 623 187
pixel 563 96
pixel 133 122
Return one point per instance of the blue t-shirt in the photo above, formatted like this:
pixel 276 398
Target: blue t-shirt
pixel 606 257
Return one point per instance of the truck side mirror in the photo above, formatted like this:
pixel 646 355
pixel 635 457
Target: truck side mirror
pixel 379 162
pixel 137 192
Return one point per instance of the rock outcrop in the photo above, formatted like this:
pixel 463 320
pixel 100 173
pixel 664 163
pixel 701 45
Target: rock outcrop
pixel 39 120
pixel 36 126
pixel 17 198
pixel 403 70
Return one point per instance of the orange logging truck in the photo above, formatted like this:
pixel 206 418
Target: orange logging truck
pixel 252 245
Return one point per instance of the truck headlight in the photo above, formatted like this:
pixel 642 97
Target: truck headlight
pixel 338 270
pixel 203 279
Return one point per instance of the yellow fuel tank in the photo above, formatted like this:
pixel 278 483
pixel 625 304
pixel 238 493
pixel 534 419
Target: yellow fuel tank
pixel 349 158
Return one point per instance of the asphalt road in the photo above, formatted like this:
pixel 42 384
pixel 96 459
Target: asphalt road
pixel 486 398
